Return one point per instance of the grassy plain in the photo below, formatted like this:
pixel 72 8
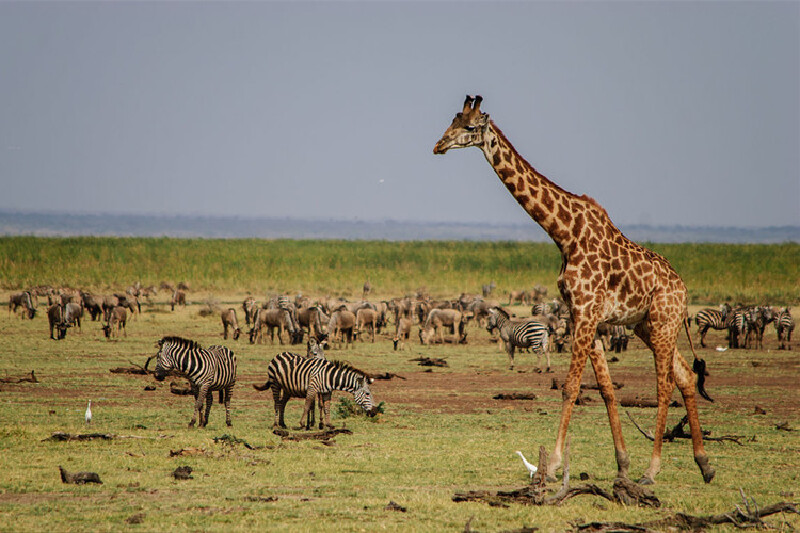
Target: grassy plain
pixel 442 431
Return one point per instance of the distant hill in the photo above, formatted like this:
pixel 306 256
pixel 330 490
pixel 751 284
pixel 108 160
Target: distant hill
pixel 70 225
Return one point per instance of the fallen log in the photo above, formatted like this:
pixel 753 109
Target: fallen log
pixel 27 378
pixel 386 376
pixel 60 436
pixel 79 478
pixel 595 386
pixel 319 435
pixel 514 396
pixel 427 361
pixel 642 402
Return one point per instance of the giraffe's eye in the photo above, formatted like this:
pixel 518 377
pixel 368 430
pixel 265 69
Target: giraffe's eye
pixel 469 128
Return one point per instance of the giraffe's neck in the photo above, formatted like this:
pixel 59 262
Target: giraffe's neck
pixel 548 204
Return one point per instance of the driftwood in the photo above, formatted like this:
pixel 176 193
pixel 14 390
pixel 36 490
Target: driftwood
pixel 386 375
pixel 27 378
pixel 515 396
pixel 319 435
pixel 642 402
pixel 595 386
pixel 427 361
pixel 678 432
pixel 60 436
pixel 79 478
pixel 751 516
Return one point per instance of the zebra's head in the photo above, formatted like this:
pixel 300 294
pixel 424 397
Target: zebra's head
pixel 314 349
pixel 363 396
pixel 165 359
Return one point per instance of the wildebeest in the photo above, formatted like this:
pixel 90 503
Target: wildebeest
pixel 117 320
pixel 178 298
pixel 55 318
pixel 366 320
pixel 437 320
pixel 402 333
pixel 271 319
pixel 73 313
pixel 340 325
pixel 249 306
pixel 619 339
pixel 311 318
pixel 24 299
pixel 92 303
pixel 229 322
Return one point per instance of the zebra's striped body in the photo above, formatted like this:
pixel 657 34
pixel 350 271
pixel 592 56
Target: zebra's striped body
pixel 737 327
pixel 207 369
pixel 711 318
pixel 527 334
pixel 784 323
pixel 290 375
pixel 757 320
pixel 336 375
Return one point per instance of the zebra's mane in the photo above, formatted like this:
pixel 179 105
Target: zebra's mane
pixel 344 365
pixel 180 341
pixel 502 311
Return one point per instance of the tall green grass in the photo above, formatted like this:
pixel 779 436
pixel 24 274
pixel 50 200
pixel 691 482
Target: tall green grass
pixel 713 272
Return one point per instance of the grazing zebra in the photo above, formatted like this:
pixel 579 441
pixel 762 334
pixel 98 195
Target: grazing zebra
pixel 289 375
pixel 737 326
pixel 757 320
pixel 784 323
pixel 711 318
pixel 527 334
pixel 207 369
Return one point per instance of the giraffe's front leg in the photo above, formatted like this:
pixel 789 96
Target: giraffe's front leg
pixel 580 352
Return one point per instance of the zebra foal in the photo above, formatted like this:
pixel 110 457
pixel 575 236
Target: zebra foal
pixel 207 369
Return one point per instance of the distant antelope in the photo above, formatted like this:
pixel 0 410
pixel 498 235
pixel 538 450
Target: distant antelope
pixel 25 300
pixel 178 298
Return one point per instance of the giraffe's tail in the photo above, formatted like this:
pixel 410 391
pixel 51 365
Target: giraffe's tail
pixel 698 365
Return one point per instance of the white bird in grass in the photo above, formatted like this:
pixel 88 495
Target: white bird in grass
pixel 89 412
pixel 531 468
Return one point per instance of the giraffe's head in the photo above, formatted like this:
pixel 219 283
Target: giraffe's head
pixel 467 129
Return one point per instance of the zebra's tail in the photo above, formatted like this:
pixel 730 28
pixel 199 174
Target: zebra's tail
pixel 698 365
pixel 266 386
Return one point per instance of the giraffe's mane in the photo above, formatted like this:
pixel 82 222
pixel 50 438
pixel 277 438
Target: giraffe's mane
pixel 586 198
pixel 179 340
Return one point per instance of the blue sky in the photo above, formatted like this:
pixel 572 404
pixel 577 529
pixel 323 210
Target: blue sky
pixel 665 112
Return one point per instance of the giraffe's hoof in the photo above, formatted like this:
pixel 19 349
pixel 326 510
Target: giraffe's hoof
pixel 646 481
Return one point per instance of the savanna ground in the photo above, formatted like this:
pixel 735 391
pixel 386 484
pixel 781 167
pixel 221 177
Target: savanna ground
pixel 441 431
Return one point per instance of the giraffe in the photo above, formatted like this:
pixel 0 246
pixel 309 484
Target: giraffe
pixel 604 277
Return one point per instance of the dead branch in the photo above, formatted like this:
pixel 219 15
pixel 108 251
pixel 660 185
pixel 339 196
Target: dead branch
pixel 427 361
pixel 182 389
pixel 595 386
pixel 319 435
pixel 642 402
pixel 386 375
pixel 60 436
pixel 27 378
pixel 515 396
pixel 79 478
pixel 679 432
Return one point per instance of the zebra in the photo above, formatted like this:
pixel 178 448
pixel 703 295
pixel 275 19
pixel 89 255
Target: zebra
pixel 757 320
pixel 290 375
pixel 527 334
pixel 711 318
pixel 784 323
pixel 737 326
pixel 207 369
